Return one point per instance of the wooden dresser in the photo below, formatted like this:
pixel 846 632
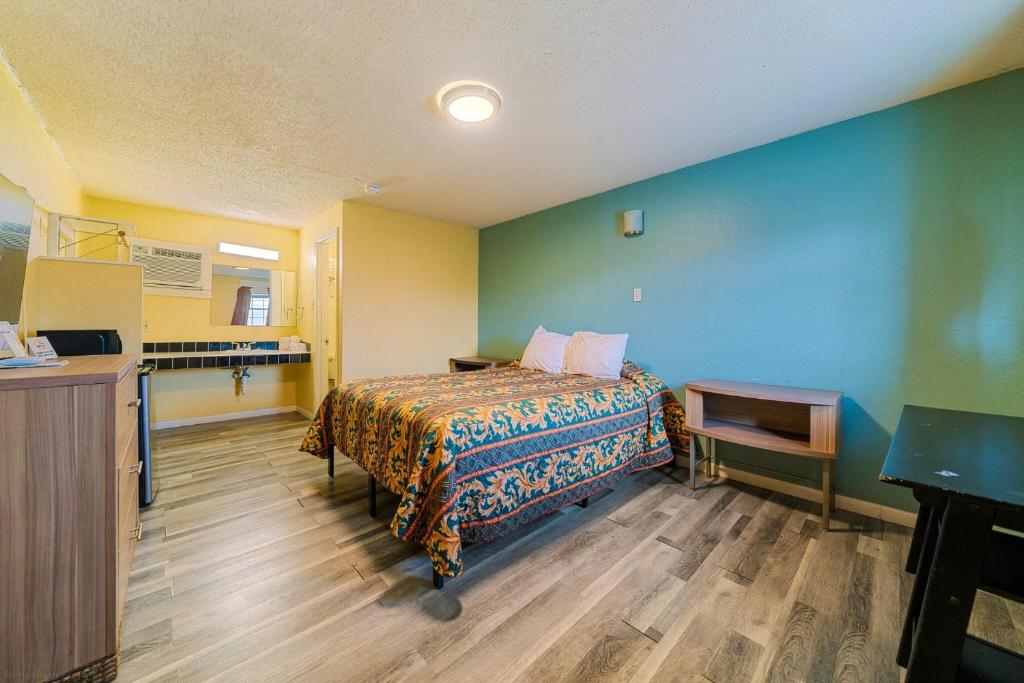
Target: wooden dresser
pixel 69 516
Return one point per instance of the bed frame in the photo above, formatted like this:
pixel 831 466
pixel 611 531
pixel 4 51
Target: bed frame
pixel 371 485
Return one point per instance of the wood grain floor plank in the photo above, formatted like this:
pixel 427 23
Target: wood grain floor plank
pixel 735 659
pixel 854 657
pixel 792 659
pixel 692 652
pixel 765 599
pixel 758 539
pixel 600 647
pixel 991 620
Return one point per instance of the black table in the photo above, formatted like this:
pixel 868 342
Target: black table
pixel 967 472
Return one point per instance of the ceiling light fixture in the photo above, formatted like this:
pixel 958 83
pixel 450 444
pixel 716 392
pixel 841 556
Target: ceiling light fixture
pixel 469 101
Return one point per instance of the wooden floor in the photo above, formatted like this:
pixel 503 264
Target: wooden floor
pixel 255 567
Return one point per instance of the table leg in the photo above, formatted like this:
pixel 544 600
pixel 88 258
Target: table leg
pixel 828 491
pixel 938 638
pixel 694 448
pixel 709 461
pixel 922 565
pixel 924 515
pixel 832 485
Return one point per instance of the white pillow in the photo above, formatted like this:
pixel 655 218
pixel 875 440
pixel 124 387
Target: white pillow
pixel 546 351
pixel 597 355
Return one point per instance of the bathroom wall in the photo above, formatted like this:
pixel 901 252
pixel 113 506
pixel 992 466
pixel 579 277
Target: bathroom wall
pixel 185 395
pixel 173 318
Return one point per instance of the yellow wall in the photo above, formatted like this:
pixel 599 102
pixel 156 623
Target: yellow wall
pixel 409 293
pixel 187 394
pixel 68 294
pixel 327 223
pixel 175 318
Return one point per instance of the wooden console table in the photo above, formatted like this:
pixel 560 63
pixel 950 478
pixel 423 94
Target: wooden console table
pixel 804 422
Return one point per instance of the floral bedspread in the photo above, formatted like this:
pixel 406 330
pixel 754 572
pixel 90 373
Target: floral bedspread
pixel 474 455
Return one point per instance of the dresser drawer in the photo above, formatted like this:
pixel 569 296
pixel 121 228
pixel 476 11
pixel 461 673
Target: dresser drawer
pixel 126 411
pixel 128 529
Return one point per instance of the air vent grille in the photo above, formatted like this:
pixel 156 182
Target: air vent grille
pixel 171 266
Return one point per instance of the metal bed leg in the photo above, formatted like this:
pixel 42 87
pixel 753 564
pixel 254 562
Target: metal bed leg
pixel 438 580
pixel 373 495
pixel 330 464
pixel 584 502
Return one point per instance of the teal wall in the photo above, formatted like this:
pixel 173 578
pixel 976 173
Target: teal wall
pixel 882 257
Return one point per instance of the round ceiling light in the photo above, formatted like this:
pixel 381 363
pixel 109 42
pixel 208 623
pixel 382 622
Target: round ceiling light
pixel 469 101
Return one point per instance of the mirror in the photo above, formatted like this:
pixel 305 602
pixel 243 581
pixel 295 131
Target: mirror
pixel 16 209
pixel 253 297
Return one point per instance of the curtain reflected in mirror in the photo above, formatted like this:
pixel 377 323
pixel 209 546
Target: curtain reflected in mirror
pixel 253 297
pixel 16 209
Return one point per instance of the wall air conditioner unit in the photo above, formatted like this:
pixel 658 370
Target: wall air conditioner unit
pixel 173 269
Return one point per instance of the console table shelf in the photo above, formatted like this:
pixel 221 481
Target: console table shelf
pixel 804 422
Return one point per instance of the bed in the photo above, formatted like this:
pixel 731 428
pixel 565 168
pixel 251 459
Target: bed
pixel 476 455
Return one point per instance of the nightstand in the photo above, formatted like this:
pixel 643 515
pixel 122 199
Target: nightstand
pixel 471 363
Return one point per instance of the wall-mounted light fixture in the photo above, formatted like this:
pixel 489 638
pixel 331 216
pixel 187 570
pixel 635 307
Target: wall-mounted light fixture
pixel 633 223
pixel 251 252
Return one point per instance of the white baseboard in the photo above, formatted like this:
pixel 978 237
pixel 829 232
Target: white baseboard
pixel 223 417
pixel 856 505
pixel 303 412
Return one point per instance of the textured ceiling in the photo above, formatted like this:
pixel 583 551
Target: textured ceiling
pixel 273 111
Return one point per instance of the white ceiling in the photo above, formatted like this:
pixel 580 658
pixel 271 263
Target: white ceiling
pixel 273 111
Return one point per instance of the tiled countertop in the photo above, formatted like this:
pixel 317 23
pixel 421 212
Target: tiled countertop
pixel 221 359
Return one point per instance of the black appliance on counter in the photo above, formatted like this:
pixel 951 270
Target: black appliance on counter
pixel 100 342
pixel 83 342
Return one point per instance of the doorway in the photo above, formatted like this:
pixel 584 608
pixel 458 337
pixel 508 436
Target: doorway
pixel 326 370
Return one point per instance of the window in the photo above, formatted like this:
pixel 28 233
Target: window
pixel 259 309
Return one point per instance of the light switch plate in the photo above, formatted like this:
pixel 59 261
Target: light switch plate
pixel 637 294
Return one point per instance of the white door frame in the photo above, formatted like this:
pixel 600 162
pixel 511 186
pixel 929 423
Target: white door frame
pixel 321 299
